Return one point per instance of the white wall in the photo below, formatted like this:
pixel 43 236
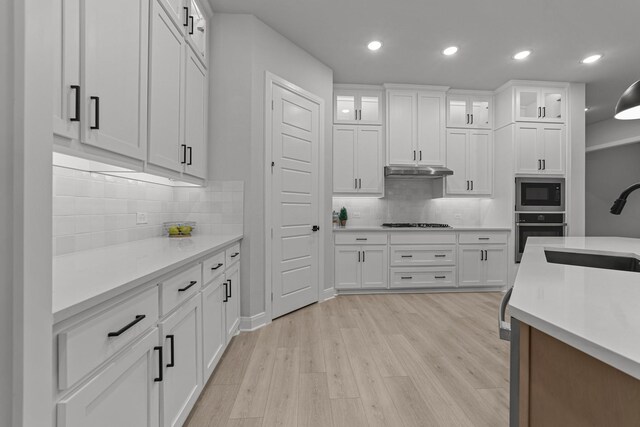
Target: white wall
pixel 6 210
pixel 576 181
pixel 243 50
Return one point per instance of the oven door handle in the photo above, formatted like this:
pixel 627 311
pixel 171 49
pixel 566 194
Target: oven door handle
pixel 538 224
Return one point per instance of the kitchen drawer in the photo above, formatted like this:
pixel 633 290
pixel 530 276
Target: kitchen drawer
pixel 423 277
pixel 422 238
pixel 476 237
pixel 342 238
pixel 232 255
pixel 425 255
pixel 180 288
pixel 213 267
pixel 86 345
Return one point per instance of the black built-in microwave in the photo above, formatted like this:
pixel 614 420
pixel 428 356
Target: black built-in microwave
pixel 540 194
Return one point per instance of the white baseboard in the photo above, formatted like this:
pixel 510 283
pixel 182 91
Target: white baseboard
pixel 254 322
pixel 417 291
pixel 327 294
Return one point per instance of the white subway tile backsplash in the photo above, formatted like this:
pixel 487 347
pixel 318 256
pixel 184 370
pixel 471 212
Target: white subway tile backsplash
pixel 92 210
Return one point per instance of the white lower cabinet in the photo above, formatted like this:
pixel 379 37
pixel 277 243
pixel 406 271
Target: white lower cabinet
pixel 482 265
pixel 232 302
pixel 124 393
pixel 361 267
pixel 213 325
pixel 423 277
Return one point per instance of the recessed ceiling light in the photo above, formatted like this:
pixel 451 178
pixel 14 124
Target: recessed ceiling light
pixel 374 45
pixel 591 59
pixel 451 50
pixel 522 55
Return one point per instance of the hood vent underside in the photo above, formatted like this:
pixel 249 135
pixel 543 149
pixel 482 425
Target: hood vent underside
pixel 417 171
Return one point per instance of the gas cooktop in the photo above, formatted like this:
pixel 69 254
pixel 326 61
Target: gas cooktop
pixel 414 225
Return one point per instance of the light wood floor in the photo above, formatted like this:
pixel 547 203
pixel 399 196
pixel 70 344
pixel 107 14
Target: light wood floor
pixel 372 360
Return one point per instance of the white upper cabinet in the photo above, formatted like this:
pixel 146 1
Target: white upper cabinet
pixel 470 156
pixel 195 140
pixel 197 30
pixel 415 128
pixel 67 93
pixel 540 149
pixel 358 160
pixel 165 91
pixel 357 106
pixel 540 104
pixel 178 11
pixel 469 111
pixel 115 71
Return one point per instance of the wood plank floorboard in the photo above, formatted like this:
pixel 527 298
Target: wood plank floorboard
pixel 398 360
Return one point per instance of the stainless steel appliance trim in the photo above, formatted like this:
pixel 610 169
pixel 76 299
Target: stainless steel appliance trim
pixel 563 188
pixel 540 224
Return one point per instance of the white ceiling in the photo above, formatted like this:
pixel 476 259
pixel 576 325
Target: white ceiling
pixel 488 32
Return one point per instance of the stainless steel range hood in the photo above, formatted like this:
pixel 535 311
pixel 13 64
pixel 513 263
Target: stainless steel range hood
pixel 417 171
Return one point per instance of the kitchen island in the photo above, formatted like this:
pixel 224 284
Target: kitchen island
pixel 574 336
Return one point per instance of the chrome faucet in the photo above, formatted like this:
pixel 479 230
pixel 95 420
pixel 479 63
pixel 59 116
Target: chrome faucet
pixel 618 205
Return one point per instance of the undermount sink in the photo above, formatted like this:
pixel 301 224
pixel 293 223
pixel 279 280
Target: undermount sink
pixel 620 262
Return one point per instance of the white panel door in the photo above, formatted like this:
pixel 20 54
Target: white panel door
pixel 431 127
pixel 552 139
pixel 470 265
pixel 295 199
pixel 375 271
pixel 125 393
pixel 213 321
pixel 165 91
pixel 181 336
pixel 458 183
pixel 402 116
pixel 232 302
pixel 197 30
pixel 480 108
pixel 369 160
pixel 195 117
pixel 345 107
pixel 528 104
pixel 370 108
pixel 528 149
pixel 495 265
pixel 66 68
pixel 348 261
pixel 457 111
pixel 344 160
pixel 480 161
pixel 115 71
pixel 553 103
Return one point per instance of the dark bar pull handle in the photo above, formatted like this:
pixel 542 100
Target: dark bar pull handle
pixel 544 111
pixel 440 277
pixel 159 378
pixel 191 25
pixel 229 296
pixel 125 328
pixel 359 256
pixel 191 283
pixel 190 156
pixel 486 255
pixel 406 256
pixel 361 239
pixel 226 297
pixel 472 119
pixel 539 112
pixel 544 164
pixel 483 238
pixel 97 116
pixel 76 118
pixel 172 364
pixel 481 255
pixel 184 153
pixel 420 155
pixel 216 267
pixel 235 255
pixel 440 256
pixel 363 252
pixel 186 17
pixel 406 277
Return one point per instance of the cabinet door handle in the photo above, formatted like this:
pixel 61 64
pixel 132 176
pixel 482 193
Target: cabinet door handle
pixel 484 238
pixel 186 16
pixel 126 327
pixel 472 119
pixel 191 283
pixel 440 277
pixel 360 183
pixel 190 25
pixel 414 155
pixel 97 115
pixel 406 256
pixel 467 119
pixel 406 277
pixel 420 155
pixel 76 117
pixel 226 297
pixel 172 364
pixel 544 164
pixel 486 255
pixel 184 154
pixel 190 156
pixel 471 185
pixel 361 239
pixel 230 288
pixel 160 367
pixel 217 266
pixel 481 255
pixel 539 112
pixel 539 164
pixel 440 256
pixel 363 253
pixel 544 111
pixel 355 185
pixel 359 256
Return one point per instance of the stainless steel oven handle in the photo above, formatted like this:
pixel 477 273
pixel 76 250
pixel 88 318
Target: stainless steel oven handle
pixel 504 327
pixel 537 224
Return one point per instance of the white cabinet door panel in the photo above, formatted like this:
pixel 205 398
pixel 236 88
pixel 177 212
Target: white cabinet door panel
pixel 178 12
pixel 480 161
pixel 232 303
pixel 213 329
pixel 165 91
pixel 470 266
pixel 457 111
pixel 553 142
pixel 402 116
pixel 369 159
pixel 195 117
pixel 457 161
pixel 370 108
pixel 115 70
pixel 375 270
pixel 528 149
pixel 347 264
pixel 431 138
pixel 344 161
pixel 496 265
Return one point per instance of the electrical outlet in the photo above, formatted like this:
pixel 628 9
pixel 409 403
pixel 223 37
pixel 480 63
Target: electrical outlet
pixel 141 218
pixel 356 214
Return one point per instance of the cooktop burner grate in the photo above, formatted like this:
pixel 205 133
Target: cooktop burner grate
pixel 414 225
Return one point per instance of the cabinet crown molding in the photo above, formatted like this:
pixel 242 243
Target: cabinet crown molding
pixel 346 86
pixel 402 86
pixel 530 83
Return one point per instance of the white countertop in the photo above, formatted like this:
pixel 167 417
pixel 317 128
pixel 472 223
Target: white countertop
pixel 84 279
pixel 594 310
pixel 452 228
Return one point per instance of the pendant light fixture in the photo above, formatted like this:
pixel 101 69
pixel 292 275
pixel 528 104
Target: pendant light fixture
pixel 628 107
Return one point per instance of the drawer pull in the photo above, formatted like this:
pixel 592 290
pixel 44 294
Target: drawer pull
pixel 235 255
pixel 483 238
pixel 406 277
pixel 193 282
pixel 361 239
pixel 406 256
pixel 172 364
pixel 127 327
pixel 159 378
pixel 440 256
pixel 217 266
pixel 440 277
